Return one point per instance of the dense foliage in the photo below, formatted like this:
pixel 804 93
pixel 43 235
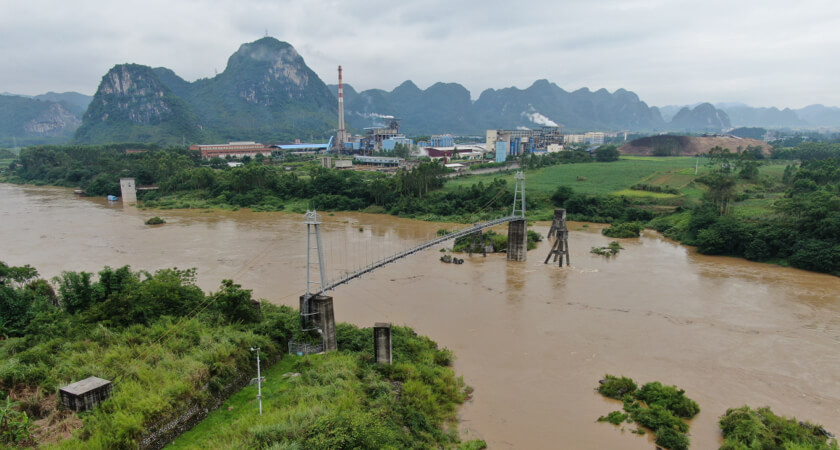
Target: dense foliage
pixel 624 230
pixel 167 346
pixel 654 406
pixel 599 208
pixel 343 400
pixel 760 429
pixel 499 242
pixel 802 228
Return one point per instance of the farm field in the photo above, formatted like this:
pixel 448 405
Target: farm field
pixel 601 177
pixel 616 178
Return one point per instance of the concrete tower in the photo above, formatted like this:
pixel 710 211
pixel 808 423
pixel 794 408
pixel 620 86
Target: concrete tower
pixel 341 136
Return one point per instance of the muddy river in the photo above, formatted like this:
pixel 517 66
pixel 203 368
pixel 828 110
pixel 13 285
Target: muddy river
pixel 532 339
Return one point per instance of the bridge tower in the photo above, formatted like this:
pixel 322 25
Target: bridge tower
pixel 518 228
pixel 316 309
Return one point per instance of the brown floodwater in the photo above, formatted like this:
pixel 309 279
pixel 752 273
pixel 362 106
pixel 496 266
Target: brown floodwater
pixel 531 339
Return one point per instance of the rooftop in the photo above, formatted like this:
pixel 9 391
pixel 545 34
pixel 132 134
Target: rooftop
pixel 84 386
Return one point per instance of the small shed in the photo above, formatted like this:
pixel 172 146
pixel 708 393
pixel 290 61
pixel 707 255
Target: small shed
pixel 86 394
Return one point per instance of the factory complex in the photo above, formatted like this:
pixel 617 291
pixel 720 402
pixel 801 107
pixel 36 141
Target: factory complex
pixel 368 148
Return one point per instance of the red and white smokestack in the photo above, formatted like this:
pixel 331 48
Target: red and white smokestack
pixel 340 136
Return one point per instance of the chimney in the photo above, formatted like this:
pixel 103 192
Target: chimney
pixel 340 137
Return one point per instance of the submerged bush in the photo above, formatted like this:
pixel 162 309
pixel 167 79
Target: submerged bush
pixel 615 417
pixel 624 230
pixel 615 387
pixel 155 221
pixel 654 406
pixel 670 397
pixel 762 429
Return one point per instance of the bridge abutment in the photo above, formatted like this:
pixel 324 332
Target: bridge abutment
pixel 322 317
pixel 382 343
pixel 517 240
pixel 128 191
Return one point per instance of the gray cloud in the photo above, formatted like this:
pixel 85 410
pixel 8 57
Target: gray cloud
pixel 765 53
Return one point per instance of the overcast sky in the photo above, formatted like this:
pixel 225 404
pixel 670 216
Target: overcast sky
pixel 763 53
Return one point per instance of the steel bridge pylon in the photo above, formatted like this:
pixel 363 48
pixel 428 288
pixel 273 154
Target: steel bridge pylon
pixel 519 195
pixel 316 309
pixel 518 228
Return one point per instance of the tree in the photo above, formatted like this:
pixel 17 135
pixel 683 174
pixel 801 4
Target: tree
pixel 236 304
pixel 721 190
pixel 561 194
pixel 607 153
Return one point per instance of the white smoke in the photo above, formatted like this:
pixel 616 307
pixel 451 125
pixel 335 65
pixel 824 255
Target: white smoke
pixel 523 128
pixel 379 116
pixel 540 119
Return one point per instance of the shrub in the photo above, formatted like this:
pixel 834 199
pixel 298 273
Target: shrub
pixel 761 428
pixel 155 221
pixel 615 387
pixel 624 230
pixel 670 397
pixel 615 417
pixel 671 439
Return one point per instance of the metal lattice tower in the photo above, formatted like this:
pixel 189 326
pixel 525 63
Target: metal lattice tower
pixel 519 195
pixel 313 226
pixel 560 232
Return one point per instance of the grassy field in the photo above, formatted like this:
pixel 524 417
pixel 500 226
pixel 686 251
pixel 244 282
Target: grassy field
pixel 616 178
pixel 601 178
pixel 343 400
pixel 241 410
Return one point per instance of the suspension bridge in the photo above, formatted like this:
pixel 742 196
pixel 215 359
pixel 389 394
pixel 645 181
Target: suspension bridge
pixel 316 308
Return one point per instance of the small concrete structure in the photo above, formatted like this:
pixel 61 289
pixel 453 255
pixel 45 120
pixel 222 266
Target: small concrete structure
pixel 342 163
pixel 517 240
pixel 128 191
pixel 382 348
pixel 86 394
pixel 319 314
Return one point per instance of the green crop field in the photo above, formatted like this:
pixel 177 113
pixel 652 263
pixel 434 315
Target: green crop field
pixel 601 178
pixel 617 177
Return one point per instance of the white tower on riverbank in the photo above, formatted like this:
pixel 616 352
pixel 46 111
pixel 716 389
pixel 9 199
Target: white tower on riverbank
pixel 341 135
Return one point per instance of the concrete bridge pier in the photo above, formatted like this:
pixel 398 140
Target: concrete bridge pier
pixel 517 240
pixel 128 191
pixel 319 314
pixel 382 343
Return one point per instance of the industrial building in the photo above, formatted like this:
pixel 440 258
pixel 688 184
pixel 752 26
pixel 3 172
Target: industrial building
pixel 384 161
pixel 518 142
pixel 438 140
pixel 375 136
pixel 591 138
pixel 232 149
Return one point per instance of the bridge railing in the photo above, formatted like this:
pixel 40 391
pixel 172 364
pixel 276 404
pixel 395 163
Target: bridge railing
pixel 454 235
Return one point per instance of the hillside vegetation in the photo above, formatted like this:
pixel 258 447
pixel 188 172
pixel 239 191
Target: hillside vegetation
pixel 168 347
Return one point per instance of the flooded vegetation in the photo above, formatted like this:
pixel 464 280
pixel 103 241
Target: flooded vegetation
pixel 530 338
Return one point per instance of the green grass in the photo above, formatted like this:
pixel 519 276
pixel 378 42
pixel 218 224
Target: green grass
pixel 600 178
pixel 344 400
pixel 241 410
pixel 756 208
pixel 640 194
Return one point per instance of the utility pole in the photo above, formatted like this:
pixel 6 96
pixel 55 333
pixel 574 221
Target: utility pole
pixel 258 379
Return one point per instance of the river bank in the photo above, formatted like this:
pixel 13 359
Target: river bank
pixel 531 339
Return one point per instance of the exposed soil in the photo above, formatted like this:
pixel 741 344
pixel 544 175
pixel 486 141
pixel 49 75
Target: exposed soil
pixel 668 145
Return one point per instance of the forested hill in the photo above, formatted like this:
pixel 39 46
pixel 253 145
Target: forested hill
pixel 266 93
pixel 30 121
pixel 448 108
